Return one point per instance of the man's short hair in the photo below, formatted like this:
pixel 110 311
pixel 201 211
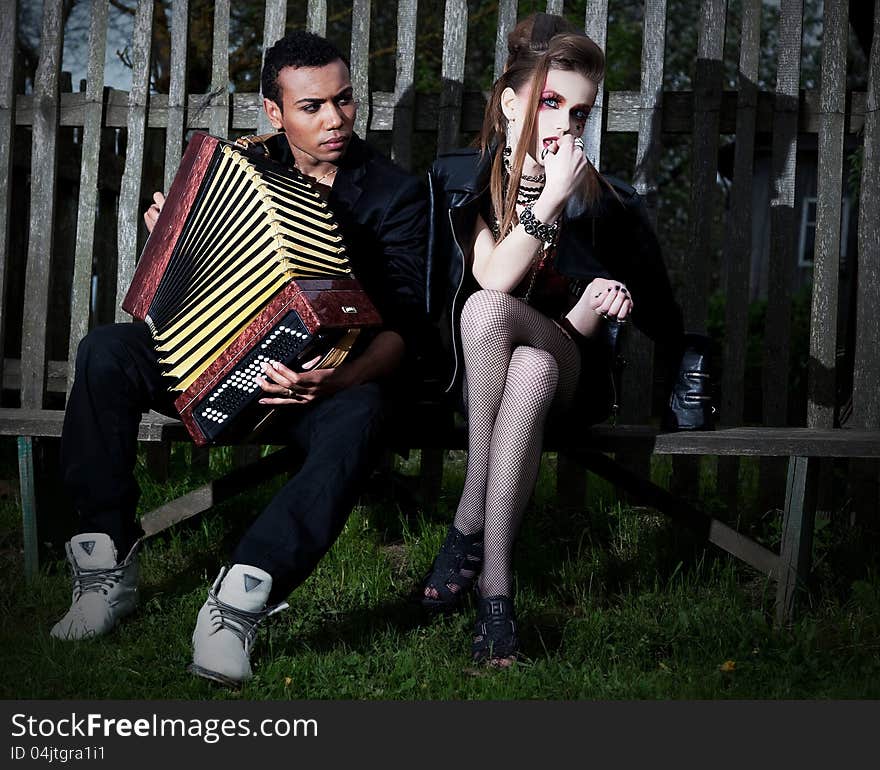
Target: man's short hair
pixel 296 49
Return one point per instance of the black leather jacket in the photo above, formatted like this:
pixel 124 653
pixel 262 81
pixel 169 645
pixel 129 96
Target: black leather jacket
pixel 382 212
pixel 612 239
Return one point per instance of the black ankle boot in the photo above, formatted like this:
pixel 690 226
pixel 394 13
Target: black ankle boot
pixel 495 640
pixel 690 404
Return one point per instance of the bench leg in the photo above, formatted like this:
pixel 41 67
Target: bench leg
pixel 430 477
pixel 28 505
pixel 571 482
pixel 797 535
pixel 159 461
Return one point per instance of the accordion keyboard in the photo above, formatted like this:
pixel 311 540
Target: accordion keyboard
pixel 232 394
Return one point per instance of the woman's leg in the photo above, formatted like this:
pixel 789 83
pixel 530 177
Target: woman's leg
pixel 494 323
pixel 514 459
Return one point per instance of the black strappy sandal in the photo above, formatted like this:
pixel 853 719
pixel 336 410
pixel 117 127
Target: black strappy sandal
pixel 454 571
pixel 495 640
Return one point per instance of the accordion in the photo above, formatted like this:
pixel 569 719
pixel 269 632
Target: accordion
pixel 244 265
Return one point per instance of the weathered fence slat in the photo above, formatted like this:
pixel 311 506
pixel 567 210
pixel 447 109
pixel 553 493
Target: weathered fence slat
pixel 571 480
pixel 704 171
pixel 737 248
pixel 506 22
pixel 636 404
pixel 273 31
pixel 7 128
pixel 777 326
pixel 866 374
pixel 704 162
pixel 782 214
pixel 43 174
pixel 316 17
pixel 738 230
pixel 452 73
pixel 596 26
pixel 404 95
pixel 130 192
pixel 555 6
pixel 360 61
pixel 88 186
pixel 823 326
pixel 218 122
pixel 176 90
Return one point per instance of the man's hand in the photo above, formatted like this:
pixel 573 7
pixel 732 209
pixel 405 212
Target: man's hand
pixel 286 386
pixel 152 213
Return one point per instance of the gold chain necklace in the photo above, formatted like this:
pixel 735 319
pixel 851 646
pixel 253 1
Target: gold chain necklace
pixel 329 173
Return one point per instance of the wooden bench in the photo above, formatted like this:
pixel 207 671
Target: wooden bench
pixel 35 382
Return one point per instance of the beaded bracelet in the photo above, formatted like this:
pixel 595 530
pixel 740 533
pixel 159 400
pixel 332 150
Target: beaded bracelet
pixel 536 228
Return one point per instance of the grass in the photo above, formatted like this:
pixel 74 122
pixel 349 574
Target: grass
pixel 613 603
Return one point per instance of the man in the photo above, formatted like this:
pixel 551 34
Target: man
pixel 335 416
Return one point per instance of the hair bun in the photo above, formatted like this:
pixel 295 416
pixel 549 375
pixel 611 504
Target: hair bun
pixel 534 34
pixel 545 27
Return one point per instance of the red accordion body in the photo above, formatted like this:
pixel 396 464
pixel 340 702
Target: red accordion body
pixel 245 264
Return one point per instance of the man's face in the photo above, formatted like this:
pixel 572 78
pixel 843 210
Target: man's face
pixel 319 111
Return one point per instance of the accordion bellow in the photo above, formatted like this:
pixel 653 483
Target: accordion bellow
pixel 245 264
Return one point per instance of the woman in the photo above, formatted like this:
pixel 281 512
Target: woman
pixel 548 254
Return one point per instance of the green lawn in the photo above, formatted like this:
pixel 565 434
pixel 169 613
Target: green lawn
pixel 614 603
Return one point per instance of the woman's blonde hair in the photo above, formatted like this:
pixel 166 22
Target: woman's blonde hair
pixel 536 45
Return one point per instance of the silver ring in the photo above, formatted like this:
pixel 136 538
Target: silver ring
pixel 579 142
pixel 544 152
pixel 290 392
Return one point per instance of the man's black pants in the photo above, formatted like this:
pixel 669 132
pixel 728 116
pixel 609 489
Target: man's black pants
pixel 118 379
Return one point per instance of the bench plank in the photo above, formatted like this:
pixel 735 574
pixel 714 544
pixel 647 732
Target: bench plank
pixel 48 422
pixel 215 492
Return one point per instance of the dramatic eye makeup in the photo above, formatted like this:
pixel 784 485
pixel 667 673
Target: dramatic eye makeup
pixel 553 101
pixel 550 99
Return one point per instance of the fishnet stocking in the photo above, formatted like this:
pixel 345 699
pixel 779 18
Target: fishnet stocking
pixel 517 363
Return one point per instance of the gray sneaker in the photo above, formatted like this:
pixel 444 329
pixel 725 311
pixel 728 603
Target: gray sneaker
pixel 227 624
pixel 104 590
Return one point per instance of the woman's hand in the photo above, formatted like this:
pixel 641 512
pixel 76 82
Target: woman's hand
pixel 602 298
pixel 608 298
pixel 286 386
pixel 566 167
pixel 152 213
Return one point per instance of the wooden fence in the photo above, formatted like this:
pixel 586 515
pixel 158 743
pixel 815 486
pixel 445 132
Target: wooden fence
pixel 652 113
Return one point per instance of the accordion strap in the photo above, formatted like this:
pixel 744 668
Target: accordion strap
pixel 256 142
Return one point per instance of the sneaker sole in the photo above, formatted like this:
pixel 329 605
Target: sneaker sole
pixel 214 676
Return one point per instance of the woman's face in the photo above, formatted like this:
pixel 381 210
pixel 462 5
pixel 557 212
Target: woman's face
pixel 565 104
